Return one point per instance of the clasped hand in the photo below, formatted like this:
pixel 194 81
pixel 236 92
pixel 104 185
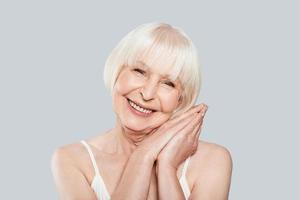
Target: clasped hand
pixel 176 139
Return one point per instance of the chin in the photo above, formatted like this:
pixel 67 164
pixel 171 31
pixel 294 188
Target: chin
pixel 133 125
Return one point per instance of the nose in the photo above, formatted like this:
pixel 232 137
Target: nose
pixel 149 89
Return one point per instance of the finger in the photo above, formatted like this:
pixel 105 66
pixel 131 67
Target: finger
pixel 204 110
pixel 189 128
pixel 201 125
pixel 198 132
pixel 202 115
pixel 195 131
pixel 196 124
pixel 166 134
pixel 188 113
pixel 194 140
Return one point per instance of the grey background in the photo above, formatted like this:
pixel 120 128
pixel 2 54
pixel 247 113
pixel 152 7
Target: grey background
pixel 52 92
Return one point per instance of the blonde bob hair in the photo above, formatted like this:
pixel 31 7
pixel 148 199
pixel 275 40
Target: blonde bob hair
pixel 163 47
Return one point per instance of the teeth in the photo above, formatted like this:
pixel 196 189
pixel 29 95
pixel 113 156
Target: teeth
pixel 139 108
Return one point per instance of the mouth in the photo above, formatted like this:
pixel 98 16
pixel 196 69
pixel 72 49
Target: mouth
pixel 139 108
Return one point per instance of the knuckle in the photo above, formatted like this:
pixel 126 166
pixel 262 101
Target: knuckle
pixel 193 150
pixel 195 145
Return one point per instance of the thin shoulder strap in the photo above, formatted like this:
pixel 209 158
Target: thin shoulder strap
pixel 185 166
pixel 87 146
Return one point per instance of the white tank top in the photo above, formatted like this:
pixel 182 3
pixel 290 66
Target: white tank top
pixel 101 191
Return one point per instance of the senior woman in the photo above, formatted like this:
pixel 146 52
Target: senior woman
pixel 153 151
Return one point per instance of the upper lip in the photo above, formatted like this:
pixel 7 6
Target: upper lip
pixel 141 105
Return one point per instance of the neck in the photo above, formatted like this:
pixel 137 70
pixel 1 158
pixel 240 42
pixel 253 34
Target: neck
pixel 127 140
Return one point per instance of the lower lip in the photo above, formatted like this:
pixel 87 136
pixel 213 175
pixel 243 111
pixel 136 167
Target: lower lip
pixel 138 112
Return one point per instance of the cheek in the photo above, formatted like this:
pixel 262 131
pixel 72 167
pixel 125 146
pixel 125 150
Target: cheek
pixel 125 83
pixel 169 101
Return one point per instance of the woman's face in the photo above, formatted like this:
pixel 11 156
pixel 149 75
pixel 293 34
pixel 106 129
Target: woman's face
pixel 155 93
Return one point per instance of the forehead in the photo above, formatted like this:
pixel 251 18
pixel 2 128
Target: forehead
pixel 160 60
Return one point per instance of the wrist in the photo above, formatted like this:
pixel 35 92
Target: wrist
pixel 163 166
pixel 143 156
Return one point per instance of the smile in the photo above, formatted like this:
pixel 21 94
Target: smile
pixel 139 108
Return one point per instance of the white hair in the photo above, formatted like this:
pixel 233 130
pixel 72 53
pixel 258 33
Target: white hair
pixel 165 48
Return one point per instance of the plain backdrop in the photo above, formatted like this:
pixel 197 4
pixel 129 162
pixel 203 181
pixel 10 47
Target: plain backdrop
pixel 52 55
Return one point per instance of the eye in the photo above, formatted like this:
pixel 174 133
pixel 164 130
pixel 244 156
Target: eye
pixel 139 70
pixel 169 83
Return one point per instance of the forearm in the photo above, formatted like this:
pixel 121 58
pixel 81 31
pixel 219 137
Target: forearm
pixel 168 184
pixel 135 180
pixel 153 192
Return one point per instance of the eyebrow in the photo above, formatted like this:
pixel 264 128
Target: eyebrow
pixel 164 76
pixel 144 64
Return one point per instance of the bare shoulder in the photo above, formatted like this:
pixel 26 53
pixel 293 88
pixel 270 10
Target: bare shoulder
pixel 67 158
pixel 68 172
pixel 211 158
pixel 75 155
pixel 66 155
pixel 212 167
pixel 212 154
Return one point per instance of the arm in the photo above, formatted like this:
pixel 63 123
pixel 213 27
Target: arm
pixel 177 150
pixel 136 177
pixel 153 192
pixel 168 183
pixel 70 182
pixel 215 178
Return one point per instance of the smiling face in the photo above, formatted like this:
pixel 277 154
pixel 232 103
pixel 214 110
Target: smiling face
pixel 143 99
pixel 140 68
